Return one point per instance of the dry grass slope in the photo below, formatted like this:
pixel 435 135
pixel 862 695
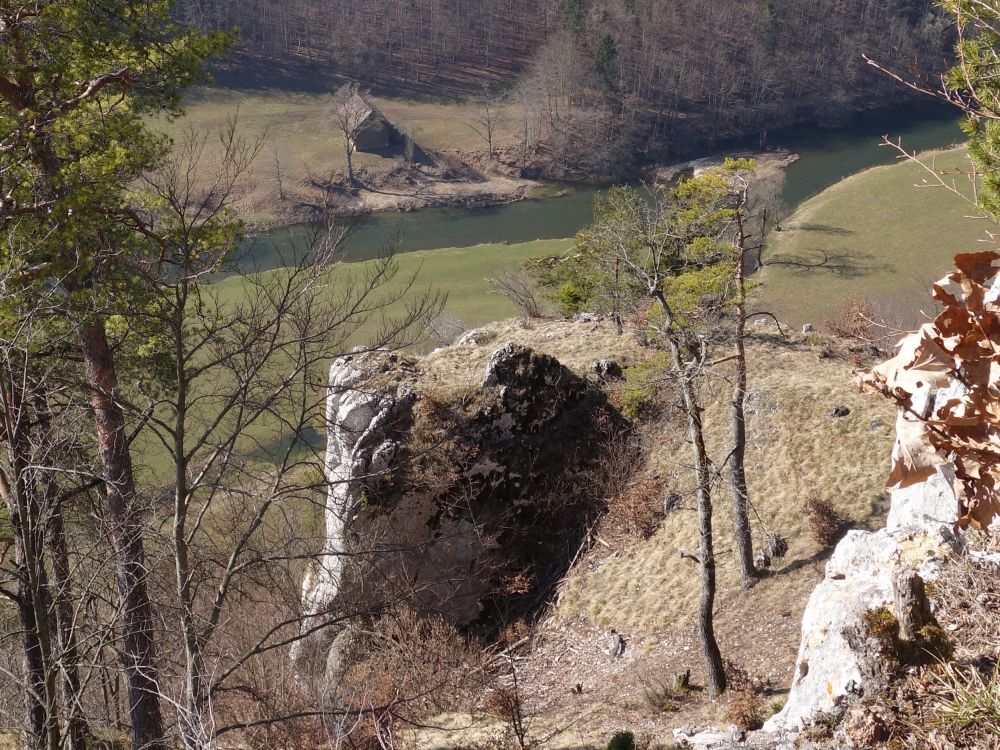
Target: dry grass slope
pixel 642 588
pixel 795 449
pixel 576 345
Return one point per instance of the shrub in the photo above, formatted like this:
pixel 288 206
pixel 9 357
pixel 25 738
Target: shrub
pixel 777 545
pixel 515 286
pixel 825 524
pixel 639 509
pixel 661 696
pixel 641 391
pixel 856 321
pixel 503 703
pixel 571 298
pixel 745 709
pixel 444 329
pixel 623 740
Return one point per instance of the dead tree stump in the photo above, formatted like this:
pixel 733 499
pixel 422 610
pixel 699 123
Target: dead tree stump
pixel 681 682
pixel 913 609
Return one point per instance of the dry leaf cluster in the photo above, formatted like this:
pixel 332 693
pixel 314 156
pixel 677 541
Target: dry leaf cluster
pixel 946 379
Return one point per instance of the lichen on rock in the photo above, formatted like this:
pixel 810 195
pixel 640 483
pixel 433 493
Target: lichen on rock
pixel 445 499
pixel 840 661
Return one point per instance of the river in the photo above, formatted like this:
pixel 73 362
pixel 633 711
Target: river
pixel 826 156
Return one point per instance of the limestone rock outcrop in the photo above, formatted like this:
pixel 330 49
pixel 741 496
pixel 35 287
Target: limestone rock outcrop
pixel 457 501
pixel 360 410
pixel 832 667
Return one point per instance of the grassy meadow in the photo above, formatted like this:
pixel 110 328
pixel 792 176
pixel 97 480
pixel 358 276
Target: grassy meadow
pixel 301 142
pixel 461 273
pixel 300 121
pixel 885 234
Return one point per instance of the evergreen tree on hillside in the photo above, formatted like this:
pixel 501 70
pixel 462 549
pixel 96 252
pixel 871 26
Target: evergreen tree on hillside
pixel 671 250
pixel 973 86
pixel 77 81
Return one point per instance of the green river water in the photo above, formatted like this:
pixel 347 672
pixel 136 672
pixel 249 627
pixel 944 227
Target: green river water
pixel 826 156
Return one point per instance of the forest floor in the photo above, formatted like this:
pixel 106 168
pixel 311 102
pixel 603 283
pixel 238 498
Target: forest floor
pixel 884 234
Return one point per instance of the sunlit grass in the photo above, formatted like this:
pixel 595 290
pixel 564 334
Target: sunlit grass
pixel 885 233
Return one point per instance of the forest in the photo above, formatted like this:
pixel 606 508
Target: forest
pixel 306 507
pixel 602 82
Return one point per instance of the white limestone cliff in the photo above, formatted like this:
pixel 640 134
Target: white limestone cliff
pixel 358 408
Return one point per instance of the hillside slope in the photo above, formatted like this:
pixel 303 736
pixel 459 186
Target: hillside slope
pixel 878 234
pixel 641 588
pixel 599 82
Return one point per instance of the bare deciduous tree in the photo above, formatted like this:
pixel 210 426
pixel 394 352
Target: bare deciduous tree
pixel 349 111
pixel 516 286
pixel 247 382
pixel 488 117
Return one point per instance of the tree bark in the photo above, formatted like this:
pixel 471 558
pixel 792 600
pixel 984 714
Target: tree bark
pixel 62 593
pixel 913 609
pixel 76 722
pixel 139 652
pixel 716 674
pixel 737 459
pixel 35 717
pixel 714 669
pixel 349 156
pixel 41 720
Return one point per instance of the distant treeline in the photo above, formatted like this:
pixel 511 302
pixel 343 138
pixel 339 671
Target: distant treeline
pixel 601 82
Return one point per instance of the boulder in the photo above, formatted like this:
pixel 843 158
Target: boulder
pixel 441 500
pixel 834 665
pixel 607 370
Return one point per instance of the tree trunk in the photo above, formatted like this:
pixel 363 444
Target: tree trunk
pixel 126 532
pixel 35 717
pixel 737 462
pixel 41 720
pixel 737 459
pixel 62 594
pixel 913 609
pixel 716 674
pixel 76 722
pixel 714 669
pixel 192 730
pixel 349 155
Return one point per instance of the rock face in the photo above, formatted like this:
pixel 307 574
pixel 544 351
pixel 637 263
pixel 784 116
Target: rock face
pixel 359 416
pixel 833 666
pixel 457 502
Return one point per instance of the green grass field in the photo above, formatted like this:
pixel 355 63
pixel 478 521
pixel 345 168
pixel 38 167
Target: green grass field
pixel 301 124
pixel 887 234
pixel 461 272
pixel 301 139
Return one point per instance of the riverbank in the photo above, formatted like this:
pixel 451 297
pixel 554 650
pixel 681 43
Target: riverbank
pixel 884 234
pixel 458 186
pixel 770 165
pixel 298 175
pixel 402 191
